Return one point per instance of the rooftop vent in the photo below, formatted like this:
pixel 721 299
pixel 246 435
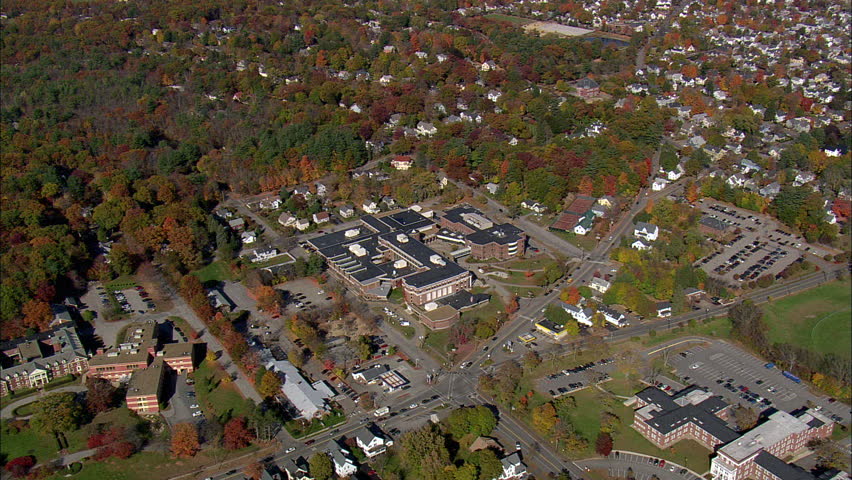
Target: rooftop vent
pixel 402 238
pixel 352 232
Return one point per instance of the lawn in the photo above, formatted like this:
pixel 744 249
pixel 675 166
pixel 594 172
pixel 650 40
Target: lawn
pixel 218 271
pixel 437 340
pixel 819 319
pixel 216 394
pixel 490 310
pixel 528 263
pixel 525 292
pixel 716 327
pixel 28 442
pixel 586 421
pixel 296 429
pixel 521 278
pixel 585 242
pixel 121 283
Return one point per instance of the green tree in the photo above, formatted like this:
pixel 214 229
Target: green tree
pixel 320 466
pixel 424 453
pixel 467 471
pixel 270 384
pixel 58 412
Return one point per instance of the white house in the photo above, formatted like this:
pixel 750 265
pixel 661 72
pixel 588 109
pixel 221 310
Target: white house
pixel 248 237
pixel 344 465
pixel 322 190
pixel 513 468
pixel 309 399
pixel 675 174
pixel 346 211
pixel 664 309
pixel 370 208
pixel 286 220
pixel 492 188
pixel 615 318
pixel 270 203
pixel 585 224
pixel 737 180
pixel 303 191
pixel 640 245
pixel 534 206
pixel 599 284
pixel 582 315
pixel 659 184
pixel 264 255
pixel 302 224
pixel 747 166
pixel 401 162
pixel 646 231
pixel 803 178
pixel 426 129
pixel 494 95
pixel 321 217
pixel 371 443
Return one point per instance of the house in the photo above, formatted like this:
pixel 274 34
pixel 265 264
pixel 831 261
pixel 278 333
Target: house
pixel 388 201
pixel 303 191
pixel 664 309
pixel 803 178
pixel 585 224
pixel 693 294
pixel 286 219
pixel 302 224
pixel 300 470
pixel 322 190
pixel 310 400
pixel 425 129
pixel 614 317
pixel 264 255
pixel 492 188
pixel 270 203
pixel 402 162
pixel 344 465
pixel 747 166
pixel 598 210
pixel 587 88
pixel 248 237
pixel 675 174
pixel 346 211
pixel 321 217
pixel 582 315
pixel 534 206
pixel 237 224
pixel 494 95
pixel 771 190
pixel 737 180
pixel 599 284
pixel 606 201
pixel 659 184
pixel 513 468
pixel 218 299
pixel 646 231
pixel 370 208
pixel 640 245
pixel 371 443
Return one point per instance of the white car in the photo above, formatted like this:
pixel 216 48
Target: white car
pixel 290 450
pixel 197 414
pixel 413 405
pixel 194 406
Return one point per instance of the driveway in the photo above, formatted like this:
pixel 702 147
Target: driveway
pixel 180 402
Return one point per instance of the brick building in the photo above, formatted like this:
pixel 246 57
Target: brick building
pixel 145 388
pixel 34 361
pixel 467 226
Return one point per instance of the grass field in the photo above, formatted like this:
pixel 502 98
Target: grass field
pixel 121 283
pixel 819 319
pixel 524 292
pixel 585 242
pixel 218 271
pixel 528 263
pixel 216 395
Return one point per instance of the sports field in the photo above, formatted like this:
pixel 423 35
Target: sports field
pixel 819 319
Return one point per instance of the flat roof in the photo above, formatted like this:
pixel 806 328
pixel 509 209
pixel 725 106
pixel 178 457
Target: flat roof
pixel 779 426
pixel 171 350
pixel 119 357
pixel 146 381
pixel 434 275
pixel 500 234
pixel 781 469
pixel 464 299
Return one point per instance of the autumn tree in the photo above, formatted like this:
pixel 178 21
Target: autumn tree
pixel 185 440
pixel 37 314
pixel 603 444
pixel 58 412
pixel 746 418
pixel 20 466
pixel 237 435
pixel 100 395
pixel 270 384
pixel 570 295
pixel 253 470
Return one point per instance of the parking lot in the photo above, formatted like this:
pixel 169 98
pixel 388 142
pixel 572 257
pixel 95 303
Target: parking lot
pixel 303 295
pixel 183 403
pixel 742 378
pixel 577 378
pixel 643 467
pixel 758 247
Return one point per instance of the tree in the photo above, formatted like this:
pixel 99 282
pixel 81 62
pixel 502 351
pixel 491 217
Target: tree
pixel 746 418
pixel 100 395
pixel 37 314
pixel 237 435
pixel 747 321
pixel 571 295
pixel 424 453
pixel 475 421
pixel 544 417
pixel 185 440
pixel 58 412
pixel 530 360
pixel 270 384
pixel 320 466
pixel 603 444
pixel 20 466
pixel 253 470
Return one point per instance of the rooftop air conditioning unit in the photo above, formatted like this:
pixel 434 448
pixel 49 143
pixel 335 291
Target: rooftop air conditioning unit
pixel 430 306
pixel 352 232
pixel 402 238
pixel 400 264
pixel 437 260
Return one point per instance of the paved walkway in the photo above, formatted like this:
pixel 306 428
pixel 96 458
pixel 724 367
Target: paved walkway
pixel 6 412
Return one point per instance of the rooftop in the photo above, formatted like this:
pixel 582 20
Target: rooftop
pixel 146 381
pixel 779 426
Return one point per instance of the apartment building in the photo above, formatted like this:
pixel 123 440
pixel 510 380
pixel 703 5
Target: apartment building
pixel 36 360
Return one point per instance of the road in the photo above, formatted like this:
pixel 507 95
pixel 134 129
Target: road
pixel 663 28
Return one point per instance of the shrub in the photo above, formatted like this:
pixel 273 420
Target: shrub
pixel 20 466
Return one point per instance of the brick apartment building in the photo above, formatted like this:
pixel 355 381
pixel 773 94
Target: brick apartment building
pixel 695 414
pixel 145 388
pixel 34 361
